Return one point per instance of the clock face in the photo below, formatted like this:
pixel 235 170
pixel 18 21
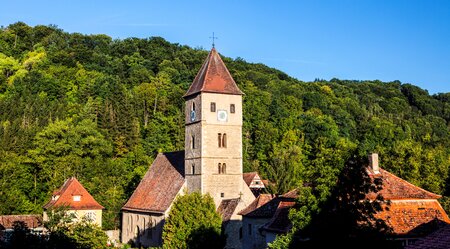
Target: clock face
pixel 222 115
pixel 192 116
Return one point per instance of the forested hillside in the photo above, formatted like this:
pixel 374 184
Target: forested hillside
pixel 101 109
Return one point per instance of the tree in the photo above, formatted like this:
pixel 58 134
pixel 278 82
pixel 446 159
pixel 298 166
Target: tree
pixel 193 223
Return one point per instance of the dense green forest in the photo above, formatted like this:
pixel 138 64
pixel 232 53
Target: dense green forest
pixel 100 109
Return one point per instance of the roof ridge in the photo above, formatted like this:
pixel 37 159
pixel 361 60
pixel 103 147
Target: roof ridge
pixel 437 196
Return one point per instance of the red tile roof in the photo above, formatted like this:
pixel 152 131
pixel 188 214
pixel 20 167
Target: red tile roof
pixel 65 197
pixel 410 217
pixel 227 207
pixel 32 221
pixel 248 177
pixel 395 188
pixel 213 77
pixel 436 240
pixel 160 185
pixel 264 206
pixel 280 222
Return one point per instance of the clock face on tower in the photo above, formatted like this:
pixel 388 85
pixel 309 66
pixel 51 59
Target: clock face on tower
pixel 192 116
pixel 222 115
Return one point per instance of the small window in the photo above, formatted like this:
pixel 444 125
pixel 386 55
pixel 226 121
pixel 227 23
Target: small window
pixel 232 108
pixel 257 182
pixel 249 229
pixel 193 169
pixel 77 198
pixel 219 139
pixel 224 140
pixel 193 141
pixel 193 106
pixel 219 168
pixel 222 195
pixel 213 106
pixel 224 168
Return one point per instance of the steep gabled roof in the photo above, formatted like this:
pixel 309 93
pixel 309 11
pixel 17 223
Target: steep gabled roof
pixel 280 222
pixel 395 188
pixel 264 206
pixel 248 177
pixel 65 197
pixel 227 207
pixel 160 185
pixel 213 77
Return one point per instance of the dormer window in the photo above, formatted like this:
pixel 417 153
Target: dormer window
pixel 55 197
pixel 77 198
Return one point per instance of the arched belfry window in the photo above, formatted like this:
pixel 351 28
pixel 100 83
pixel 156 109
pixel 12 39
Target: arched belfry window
pixel 224 140
pixel 219 168
pixel 224 168
pixel 219 140
pixel 193 142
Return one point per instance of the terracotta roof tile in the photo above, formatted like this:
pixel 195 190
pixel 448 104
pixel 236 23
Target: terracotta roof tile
pixel 280 222
pixel 160 185
pixel 395 188
pixel 264 206
pixel 226 208
pixel 65 197
pixel 32 221
pixel 413 217
pixel 436 240
pixel 248 177
pixel 213 77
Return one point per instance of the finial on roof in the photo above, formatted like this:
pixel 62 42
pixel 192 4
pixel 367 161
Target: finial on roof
pixel 213 38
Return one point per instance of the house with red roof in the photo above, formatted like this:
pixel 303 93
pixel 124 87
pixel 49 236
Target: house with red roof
pixel 412 212
pixel 73 197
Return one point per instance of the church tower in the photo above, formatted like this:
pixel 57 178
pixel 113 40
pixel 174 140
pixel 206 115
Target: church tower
pixel 213 132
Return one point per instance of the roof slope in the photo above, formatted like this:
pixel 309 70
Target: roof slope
pixel 264 206
pixel 280 222
pixel 65 197
pixel 31 220
pixel 437 239
pixel 395 188
pixel 213 77
pixel 248 177
pixel 160 185
pixel 227 207
pixel 413 217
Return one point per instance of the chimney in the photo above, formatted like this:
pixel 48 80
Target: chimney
pixel 373 163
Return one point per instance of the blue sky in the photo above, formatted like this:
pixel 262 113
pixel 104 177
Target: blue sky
pixel 406 40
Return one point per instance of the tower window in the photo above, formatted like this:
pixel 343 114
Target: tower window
pixel 224 168
pixel 232 108
pixel 193 169
pixel 193 142
pixel 193 106
pixel 213 106
pixel 222 195
pixel 219 139
pixel 224 140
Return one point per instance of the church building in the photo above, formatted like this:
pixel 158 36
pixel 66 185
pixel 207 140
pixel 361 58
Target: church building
pixel 211 162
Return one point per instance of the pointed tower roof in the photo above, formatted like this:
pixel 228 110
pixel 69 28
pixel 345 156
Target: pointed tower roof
pixel 213 77
pixel 65 197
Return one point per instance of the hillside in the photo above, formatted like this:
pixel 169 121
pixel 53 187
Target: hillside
pixel 101 109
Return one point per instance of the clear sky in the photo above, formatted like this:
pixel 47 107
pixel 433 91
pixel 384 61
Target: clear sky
pixel 406 40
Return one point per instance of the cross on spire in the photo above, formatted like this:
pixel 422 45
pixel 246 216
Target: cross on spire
pixel 213 38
